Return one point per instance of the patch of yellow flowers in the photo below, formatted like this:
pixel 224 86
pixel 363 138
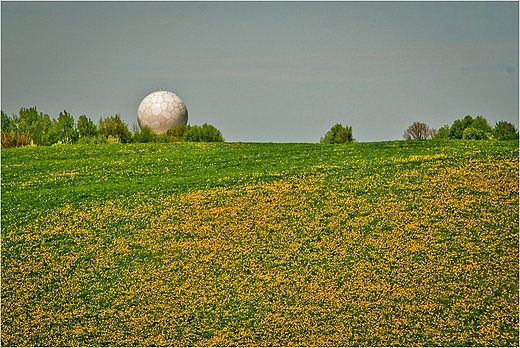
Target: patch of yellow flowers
pixel 423 256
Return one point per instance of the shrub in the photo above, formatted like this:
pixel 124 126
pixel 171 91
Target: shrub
pixel 15 139
pixel 97 139
pixel 505 131
pixel 442 133
pixel 338 135
pixel 145 135
pixel 473 133
pixel 177 133
pixel 6 123
pixel 114 128
pixel 204 133
pixel 113 139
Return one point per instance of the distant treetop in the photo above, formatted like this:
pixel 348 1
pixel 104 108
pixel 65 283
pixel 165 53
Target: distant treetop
pixel 478 128
pixel 33 128
pixel 338 135
pixel 419 131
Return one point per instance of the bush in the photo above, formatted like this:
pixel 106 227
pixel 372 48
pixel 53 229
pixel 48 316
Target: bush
pixel 97 139
pixel 6 123
pixel 204 133
pixel 473 133
pixel 145 135
pixel 505 131
pixel 442 133
pixel 177 133
pixel 113 140
pixel 15 139
pixel 114 128
pixel 338 135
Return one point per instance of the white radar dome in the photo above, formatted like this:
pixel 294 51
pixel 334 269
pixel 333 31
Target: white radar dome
pixel 161 111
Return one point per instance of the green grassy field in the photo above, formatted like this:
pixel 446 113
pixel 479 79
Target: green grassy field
pixel 391 243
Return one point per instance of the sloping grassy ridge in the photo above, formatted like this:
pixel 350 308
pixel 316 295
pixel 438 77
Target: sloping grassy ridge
pixel 394 243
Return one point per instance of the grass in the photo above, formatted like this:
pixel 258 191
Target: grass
pixel 392 243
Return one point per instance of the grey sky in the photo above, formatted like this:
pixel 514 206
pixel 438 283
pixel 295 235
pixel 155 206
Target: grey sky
pixel 267 71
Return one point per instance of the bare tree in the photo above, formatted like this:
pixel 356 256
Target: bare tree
pixel 419 130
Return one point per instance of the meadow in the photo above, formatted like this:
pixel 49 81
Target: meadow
pixel 404 243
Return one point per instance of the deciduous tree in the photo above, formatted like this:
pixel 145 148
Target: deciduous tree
pixel 86 127
pixel 505 131
pixel 419 130
pixel 114 127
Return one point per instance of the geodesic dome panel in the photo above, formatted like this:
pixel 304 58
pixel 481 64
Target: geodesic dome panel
pixel 162 110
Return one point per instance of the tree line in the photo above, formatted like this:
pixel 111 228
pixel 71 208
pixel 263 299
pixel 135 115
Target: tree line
pixel 468 128
pixel 30 127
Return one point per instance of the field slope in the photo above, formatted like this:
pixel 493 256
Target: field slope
pixel 392 243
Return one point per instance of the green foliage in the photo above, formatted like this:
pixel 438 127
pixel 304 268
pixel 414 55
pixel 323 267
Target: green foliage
pixel 6 123
pixel 177 133
pixel 37 125
pixel 145 135
pixel 473 133
pixel 505 131
pixel 456 130
pixel 204 133
pixel 86 127
pixel 64 129
pixel 40 128
pixel 479 129
pixel 92 140
pixel 31 127
pixel 482 124
pixel 28 118
pixel 442 133
pixel 45 132
pixel 338 135
pixel 116 129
